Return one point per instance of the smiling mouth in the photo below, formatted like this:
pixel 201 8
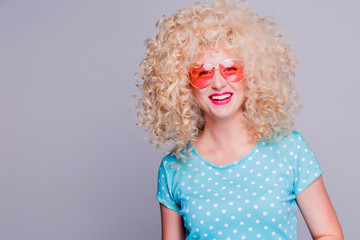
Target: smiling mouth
pixel 220 97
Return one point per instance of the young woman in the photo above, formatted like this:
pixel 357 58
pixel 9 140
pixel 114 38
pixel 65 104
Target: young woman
pixel 218 84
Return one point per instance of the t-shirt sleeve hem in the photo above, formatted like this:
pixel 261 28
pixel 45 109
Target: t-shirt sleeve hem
pixel 176 209
pixel 308 184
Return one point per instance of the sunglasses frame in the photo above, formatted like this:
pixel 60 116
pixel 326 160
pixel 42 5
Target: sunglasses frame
pixel 213 71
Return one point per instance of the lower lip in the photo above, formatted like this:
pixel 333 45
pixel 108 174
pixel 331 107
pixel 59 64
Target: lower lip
pixel 221 102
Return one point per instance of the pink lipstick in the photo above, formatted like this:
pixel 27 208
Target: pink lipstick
pixel 220 98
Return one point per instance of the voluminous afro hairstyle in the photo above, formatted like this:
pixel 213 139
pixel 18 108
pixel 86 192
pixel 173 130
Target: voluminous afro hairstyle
pixel 166 105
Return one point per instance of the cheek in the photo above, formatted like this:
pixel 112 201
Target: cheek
pixel 241 93
pixel 200 99
pixel 196 95
pixel 241 88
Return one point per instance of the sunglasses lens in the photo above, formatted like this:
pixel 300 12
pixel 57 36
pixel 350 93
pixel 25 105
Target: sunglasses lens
pixel 200 76
pixel 232 70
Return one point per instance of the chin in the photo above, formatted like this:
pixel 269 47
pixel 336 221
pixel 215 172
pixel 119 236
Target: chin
pixel 224 115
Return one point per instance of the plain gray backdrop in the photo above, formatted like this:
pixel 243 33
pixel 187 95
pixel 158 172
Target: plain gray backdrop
pixel 73 164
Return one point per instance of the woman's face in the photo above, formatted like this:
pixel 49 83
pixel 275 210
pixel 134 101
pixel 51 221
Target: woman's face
pixel 221 99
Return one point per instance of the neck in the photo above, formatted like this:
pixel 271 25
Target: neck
pixel 225 133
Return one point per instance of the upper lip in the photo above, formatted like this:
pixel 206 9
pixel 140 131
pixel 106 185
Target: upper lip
pixel 220 94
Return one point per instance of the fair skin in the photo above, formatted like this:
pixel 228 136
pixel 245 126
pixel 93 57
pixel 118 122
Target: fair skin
pixel 225 136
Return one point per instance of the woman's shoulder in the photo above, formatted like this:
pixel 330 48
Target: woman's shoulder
pixel 169 158
pixel 286 141
pixel 293 137
pixel 171 162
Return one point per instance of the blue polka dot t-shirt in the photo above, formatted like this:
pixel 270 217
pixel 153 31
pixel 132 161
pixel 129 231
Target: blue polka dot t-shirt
pixel 252 198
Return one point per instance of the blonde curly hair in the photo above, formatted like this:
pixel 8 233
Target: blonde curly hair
pixel 166 104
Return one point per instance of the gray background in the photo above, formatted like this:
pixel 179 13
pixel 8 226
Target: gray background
pixel 73 165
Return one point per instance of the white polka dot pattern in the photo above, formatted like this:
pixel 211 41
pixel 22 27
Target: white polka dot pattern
pixel 252 198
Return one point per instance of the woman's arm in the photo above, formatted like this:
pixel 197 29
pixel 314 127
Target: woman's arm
pixel 318 212
pixel 172 227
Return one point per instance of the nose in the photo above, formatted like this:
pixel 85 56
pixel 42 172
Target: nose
pixel 218 81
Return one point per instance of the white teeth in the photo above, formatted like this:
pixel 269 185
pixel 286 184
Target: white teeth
pixel 221 97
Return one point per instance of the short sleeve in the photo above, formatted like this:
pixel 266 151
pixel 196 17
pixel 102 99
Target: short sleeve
pixel 306 167
pixel 164 190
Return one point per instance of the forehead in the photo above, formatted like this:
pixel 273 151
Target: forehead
pixel 215 56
